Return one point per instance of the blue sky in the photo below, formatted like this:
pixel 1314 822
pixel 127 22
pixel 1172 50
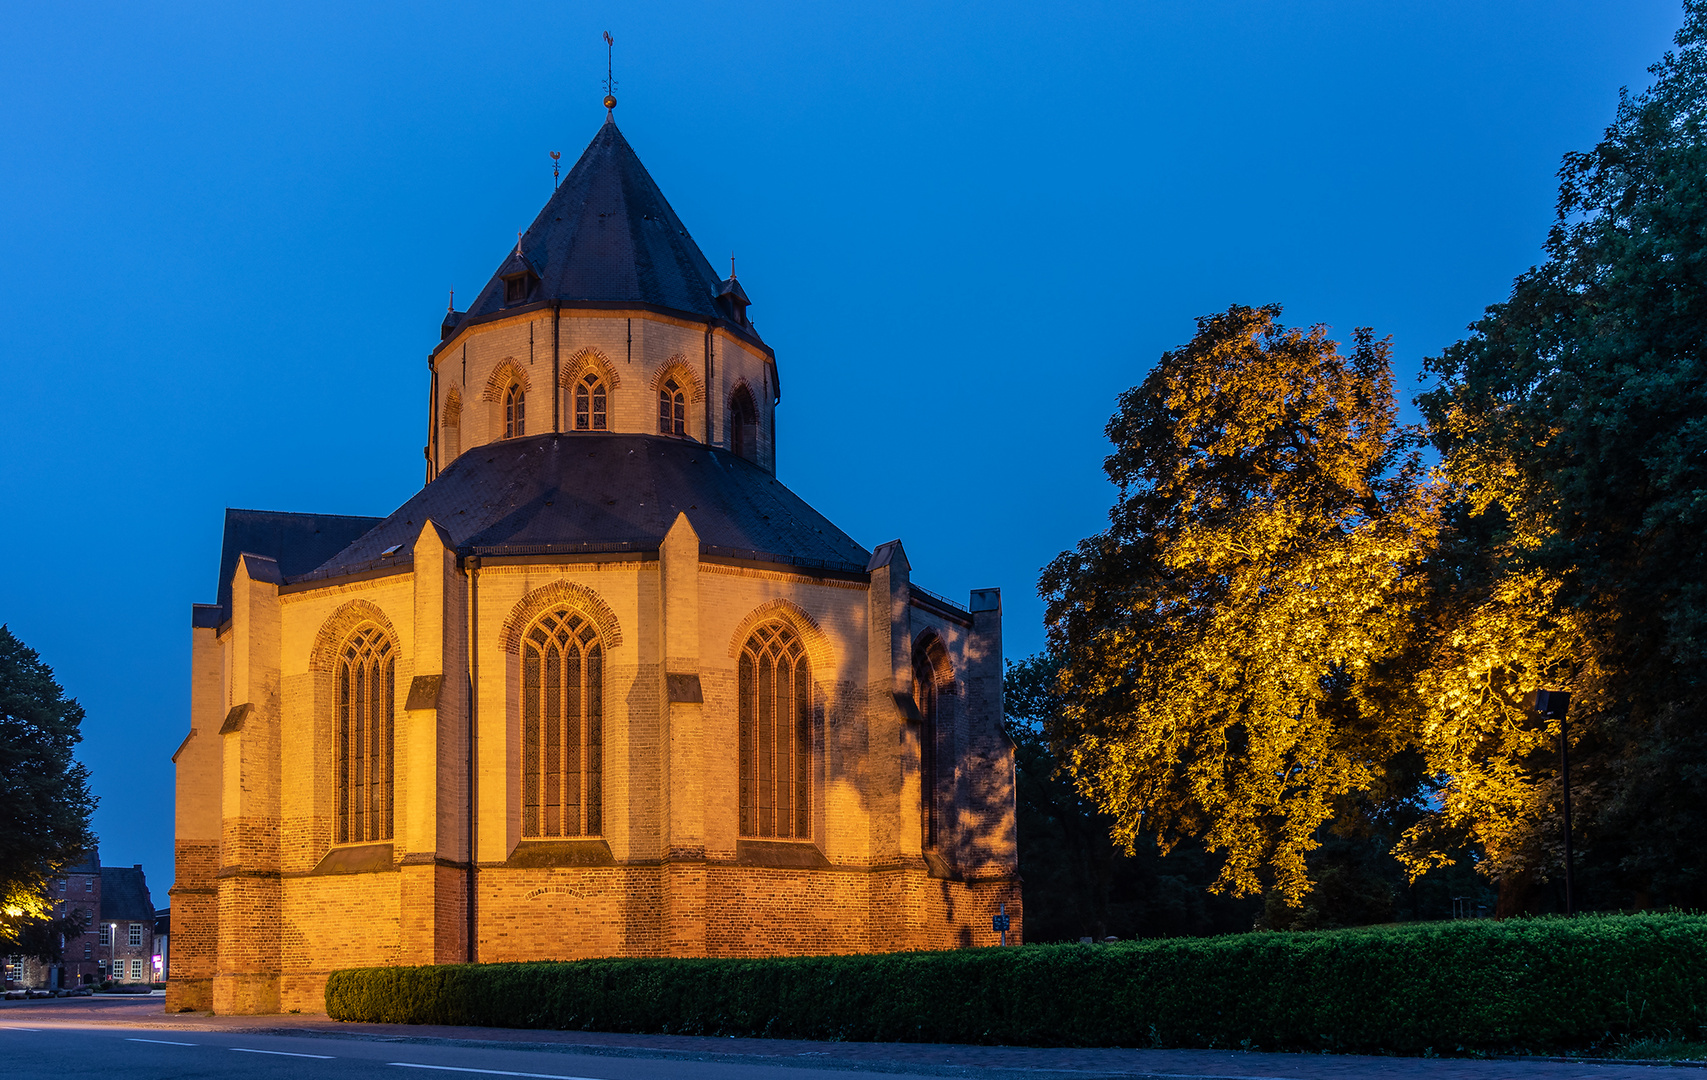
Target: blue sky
pixel 226 237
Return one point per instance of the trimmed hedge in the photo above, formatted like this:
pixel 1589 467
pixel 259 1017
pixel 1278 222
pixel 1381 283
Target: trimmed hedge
pixel 1473 986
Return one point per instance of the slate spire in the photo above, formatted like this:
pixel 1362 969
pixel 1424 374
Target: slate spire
pixel 608 236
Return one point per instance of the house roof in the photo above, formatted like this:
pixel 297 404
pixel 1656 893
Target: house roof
pixel 608 235
pixel 297 542
pixel 568 493
pixel 124 895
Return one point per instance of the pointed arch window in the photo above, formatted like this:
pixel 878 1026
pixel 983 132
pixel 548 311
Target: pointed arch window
pixel 672 409
pixel 364 700
pixel 743 424
pixel 591 404
pixel 562 727
pixel 774 682
pixel 930 782
pixel 515 411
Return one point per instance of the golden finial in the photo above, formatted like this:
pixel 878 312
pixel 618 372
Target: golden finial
pixel 610 80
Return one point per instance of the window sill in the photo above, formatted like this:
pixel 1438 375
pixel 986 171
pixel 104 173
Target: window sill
pixel 783 854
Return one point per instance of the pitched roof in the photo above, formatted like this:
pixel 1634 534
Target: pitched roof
pixel 608 235
pixel 124 895
pixel 582 492
pixel 297 542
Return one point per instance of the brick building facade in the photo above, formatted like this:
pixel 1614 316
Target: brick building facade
pixel 603 686
pixel 114 904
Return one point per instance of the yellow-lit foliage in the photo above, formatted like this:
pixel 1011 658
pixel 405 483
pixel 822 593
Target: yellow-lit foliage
pixel 1494 757
pixel 1232 646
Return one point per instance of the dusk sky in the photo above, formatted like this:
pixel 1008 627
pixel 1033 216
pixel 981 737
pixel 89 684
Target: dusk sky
pixel 226 239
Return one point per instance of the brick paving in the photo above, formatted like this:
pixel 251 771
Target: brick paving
pixel 977 1062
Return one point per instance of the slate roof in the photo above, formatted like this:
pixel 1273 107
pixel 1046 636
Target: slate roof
pixel 298 542
pixel 608 235
pixel 124 895
pixel 581 492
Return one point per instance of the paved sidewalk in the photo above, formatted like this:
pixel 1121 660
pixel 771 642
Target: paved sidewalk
pixel 977 1062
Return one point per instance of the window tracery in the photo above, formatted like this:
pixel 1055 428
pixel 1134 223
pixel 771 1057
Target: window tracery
pixel 364 703
pixel 672 409
pixel 591 402
pixel 515 412
pixel 774 684
pixel 562 726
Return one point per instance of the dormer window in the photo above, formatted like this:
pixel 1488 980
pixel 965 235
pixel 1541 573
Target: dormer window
pixel 518 287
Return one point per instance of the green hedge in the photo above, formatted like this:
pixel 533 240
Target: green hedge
pixel 1530 984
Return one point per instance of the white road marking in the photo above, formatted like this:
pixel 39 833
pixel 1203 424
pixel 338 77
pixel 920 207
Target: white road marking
pixel 162 1042
pixel 484 1072
pixel 280 1053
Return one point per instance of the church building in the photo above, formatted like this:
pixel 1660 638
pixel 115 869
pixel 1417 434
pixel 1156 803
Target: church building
pixel 603 686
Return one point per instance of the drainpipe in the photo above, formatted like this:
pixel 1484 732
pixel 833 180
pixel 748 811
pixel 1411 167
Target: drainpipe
pixel 432 422
pixel 708 393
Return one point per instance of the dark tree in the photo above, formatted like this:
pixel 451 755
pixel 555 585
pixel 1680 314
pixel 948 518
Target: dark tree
pixel 1573 427
pixel 45 802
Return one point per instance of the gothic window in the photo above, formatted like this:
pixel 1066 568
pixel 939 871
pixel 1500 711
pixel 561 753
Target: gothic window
pixel 743 424
pixel 366 676
pixel 562 731
pixel 515 412
pixel 672 409
pixel 925 696
pixel 774 683
pixel 590 404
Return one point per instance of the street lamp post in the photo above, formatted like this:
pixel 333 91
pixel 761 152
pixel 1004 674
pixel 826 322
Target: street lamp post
pixel 1554 704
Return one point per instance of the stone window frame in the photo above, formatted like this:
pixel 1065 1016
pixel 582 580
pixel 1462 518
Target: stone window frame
pixel 587 603
pixel 574 744
pixel 822 662
pixel 934 695
pixel 134 937
pixel 337 628
pixel 515 411
pixel 744 437
pixel 687 389
pixel 585 362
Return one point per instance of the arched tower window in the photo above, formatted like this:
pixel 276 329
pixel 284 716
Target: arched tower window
pixel 930 773
pixel 366 676
pixel 562 728
pixel 672 409
pixel 743 424
pixel 515 411
pixel 774 682
pixel 591 404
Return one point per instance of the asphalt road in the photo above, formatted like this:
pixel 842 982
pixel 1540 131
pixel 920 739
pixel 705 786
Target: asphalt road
pixel 135 1038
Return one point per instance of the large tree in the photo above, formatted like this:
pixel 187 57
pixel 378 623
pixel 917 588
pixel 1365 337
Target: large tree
pixel 1573 429
pixel 1232 648
pixel 45 803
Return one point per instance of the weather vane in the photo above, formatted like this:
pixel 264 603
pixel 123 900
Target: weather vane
pixel 610 77
pixel 556 160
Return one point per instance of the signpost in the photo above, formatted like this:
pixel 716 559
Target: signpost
pixel 999 923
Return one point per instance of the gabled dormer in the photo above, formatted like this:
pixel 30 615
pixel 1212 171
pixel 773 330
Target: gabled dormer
pixel 520 281
pixel 733 300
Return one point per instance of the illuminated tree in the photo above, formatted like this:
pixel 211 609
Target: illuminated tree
pixel 1233 648
pixel 44 798
pixel 1573 429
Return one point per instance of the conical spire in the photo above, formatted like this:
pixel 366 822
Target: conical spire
pixel 609 237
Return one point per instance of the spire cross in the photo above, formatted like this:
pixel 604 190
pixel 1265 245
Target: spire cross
pixel 731 266
pixel 452 305
pixel 556 159
pixel 610 76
